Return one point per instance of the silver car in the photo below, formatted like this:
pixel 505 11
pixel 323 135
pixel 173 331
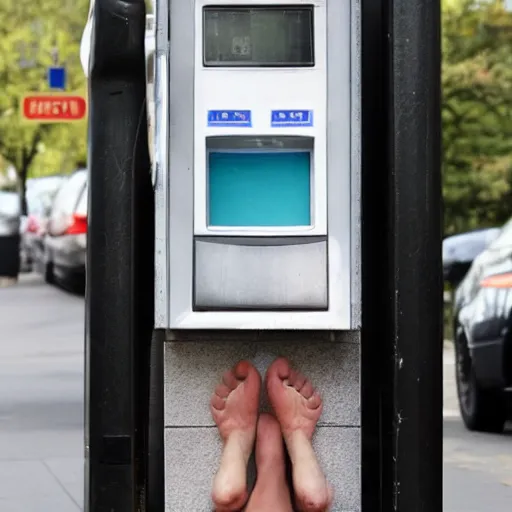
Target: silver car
pixel 39 196
pixel 65 240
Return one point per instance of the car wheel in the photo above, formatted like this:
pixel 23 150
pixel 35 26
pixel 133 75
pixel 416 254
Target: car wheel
pixel 483 410
pixel 48 273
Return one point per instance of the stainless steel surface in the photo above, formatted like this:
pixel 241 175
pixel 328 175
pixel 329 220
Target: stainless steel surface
pixel 178 189
pixel 161 164
pixel 240 274
pixel 272 142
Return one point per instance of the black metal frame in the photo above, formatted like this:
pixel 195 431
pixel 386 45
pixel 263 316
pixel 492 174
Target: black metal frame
pixel 402 275
pixel 120 261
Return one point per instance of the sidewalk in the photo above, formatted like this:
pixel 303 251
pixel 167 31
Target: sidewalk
pixel 41 398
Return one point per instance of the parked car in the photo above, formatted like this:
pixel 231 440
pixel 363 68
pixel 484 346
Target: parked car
pixel 482 327
pixel 39 196
pixel 460 250
pixel 44 184
pixel 30 233
pixel 9 234
pixel 65 240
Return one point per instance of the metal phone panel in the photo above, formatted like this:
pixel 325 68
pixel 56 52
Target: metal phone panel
pixel 260 274
pixel 175 289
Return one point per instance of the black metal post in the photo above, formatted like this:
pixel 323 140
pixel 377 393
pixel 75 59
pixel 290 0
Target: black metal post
pixel 119 296
pixel 402 280
pixel 415 140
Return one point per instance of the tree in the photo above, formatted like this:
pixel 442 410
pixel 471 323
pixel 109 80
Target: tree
pixel 476 114
pixel 31 34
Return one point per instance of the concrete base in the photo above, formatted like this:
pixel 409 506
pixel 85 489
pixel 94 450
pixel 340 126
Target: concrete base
pixel 192 445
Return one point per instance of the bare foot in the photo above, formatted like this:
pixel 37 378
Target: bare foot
pixel 234 407
pixel 271 490
pixel 298 408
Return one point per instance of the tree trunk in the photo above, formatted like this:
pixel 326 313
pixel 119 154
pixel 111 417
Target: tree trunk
pixel 27 156
pixel 22 189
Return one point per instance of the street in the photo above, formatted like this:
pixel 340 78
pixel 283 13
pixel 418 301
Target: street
pixel 41 414
pixel 477 467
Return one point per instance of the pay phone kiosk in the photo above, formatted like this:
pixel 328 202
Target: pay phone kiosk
pixel 254 240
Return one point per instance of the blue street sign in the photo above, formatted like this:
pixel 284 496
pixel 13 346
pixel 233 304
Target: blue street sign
pixel 57 78
pixel 291 118
pixel 225 118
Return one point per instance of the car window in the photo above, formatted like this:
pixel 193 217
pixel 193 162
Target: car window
pixel 40 203
pixel 9 204
pixel 48 183
pixel 41 191
pixel 68 194
pixel 82 203
pixel 504 239
pixel 34 205
pixel 46 201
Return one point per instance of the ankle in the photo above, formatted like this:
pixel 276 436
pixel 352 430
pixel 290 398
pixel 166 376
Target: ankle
pixel 295 438
pixel 300 448
pixel 239 443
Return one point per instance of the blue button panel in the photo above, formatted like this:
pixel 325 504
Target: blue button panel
pixel 230 118
pixel 291 118
pixel 259 188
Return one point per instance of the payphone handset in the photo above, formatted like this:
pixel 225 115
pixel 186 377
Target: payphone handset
pixel 254 240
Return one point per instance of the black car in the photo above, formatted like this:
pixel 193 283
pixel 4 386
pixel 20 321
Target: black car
pixel 483 336
pixel 460 250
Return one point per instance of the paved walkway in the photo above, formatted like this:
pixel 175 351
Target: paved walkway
pixel 41 399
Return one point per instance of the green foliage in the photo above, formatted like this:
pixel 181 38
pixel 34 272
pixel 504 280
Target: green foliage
pixel 30 31
pixel 476 114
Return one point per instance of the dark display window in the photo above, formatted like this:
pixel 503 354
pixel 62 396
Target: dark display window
pixel 258 36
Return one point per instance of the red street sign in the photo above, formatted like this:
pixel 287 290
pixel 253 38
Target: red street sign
pixel 53 108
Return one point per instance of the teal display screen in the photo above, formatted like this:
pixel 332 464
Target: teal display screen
pixel 253 188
